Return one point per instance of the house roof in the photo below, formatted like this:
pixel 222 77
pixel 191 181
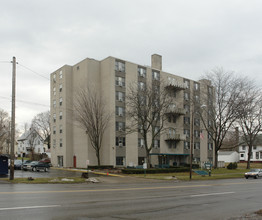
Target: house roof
pixel 226 152
pixel 25 135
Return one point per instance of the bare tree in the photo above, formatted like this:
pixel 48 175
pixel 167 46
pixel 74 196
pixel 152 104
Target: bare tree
pixel 91 114
pixel 147 106
pixel 41 123
pixel 4 130
pixel 249 116
pixel 32 136
pixel 219 116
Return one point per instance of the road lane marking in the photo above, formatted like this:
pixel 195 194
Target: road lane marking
pixel 123 189
pixel 212 194
pixel 29 207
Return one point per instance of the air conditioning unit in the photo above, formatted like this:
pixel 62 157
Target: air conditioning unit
pixel 120 100
pixel 142 145
pixel 120 115
pixel 120 144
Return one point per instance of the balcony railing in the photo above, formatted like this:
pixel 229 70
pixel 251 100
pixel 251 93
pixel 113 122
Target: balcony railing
pixel 176 111
pixel 175 137
pixel 176 86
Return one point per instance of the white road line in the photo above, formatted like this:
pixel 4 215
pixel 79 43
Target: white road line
pixel 212 194
pixel 29 207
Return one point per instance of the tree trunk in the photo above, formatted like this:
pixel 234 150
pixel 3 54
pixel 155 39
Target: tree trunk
pixel 216 159
pixel 249 157
pixel 148 159
pixel 98 157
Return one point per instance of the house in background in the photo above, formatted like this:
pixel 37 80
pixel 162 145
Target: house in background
pixel 228 156
pixel 256 155
pixel 30 140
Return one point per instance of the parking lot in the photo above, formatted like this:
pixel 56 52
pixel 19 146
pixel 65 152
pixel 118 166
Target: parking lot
pixel 51 173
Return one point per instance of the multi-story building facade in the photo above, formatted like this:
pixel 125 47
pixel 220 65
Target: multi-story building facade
pixel 110 77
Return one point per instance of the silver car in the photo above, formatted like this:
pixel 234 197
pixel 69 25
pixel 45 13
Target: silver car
pixel 255 173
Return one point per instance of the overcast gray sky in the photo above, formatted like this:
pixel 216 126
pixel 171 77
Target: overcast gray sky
pixel 193 36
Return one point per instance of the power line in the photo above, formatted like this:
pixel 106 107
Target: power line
pixel 34 72
pixel 5 62
pixel 26 102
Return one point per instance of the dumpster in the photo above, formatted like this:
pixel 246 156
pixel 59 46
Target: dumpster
pixel 3 165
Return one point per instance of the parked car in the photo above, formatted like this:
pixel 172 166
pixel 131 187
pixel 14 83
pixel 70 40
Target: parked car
pixel 40 166
pixel 18 164
pixel 255 173
pixel 26 164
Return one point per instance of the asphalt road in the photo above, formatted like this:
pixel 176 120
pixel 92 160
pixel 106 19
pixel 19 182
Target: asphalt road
pixel 221 199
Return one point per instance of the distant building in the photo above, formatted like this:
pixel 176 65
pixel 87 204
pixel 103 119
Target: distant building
pixel 70 146
pixel 228 156
pixel 28 141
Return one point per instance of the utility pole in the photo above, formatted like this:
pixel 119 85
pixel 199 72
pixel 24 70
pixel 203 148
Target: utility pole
pixel 12 168
pixel 191 139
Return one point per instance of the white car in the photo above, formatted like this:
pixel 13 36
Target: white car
pixel 255 173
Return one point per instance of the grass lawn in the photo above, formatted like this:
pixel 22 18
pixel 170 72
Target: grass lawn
pixel 221 173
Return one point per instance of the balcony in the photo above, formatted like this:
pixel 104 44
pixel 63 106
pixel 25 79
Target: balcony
pixel 175 137
pixel 176 86
pixel 176 111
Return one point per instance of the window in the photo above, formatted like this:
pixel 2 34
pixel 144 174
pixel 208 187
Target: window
pixel 186 120
pixel 197 146
pixel 54 130
pixel 61 142
pixel 172 144
pixel 141 160
pixel 251 156
pixel 260 155
pixel 243 147
pixel 186 145
pixel 119 161
pixel 186 96
pixel 187 108
pixel 54 77
pixel 257 155
pixel 187 132
pixel 60 101
pixel 120 126
pixel 54 90
pixel 210 135
pixel 60 115
pixel 210 146
pixel 120 141
pixel 54 117
pixel 141 72
pixel 141 85
pixel 120 96
pixel 141 142
pixel 54 143
pixel 197 122
pixel 197 98
pixel 54 103
pixel 60 74
pixel 60 87
pixel 155 75
pixel 209 123
pixel 120 66
pixel 197 133
pixel 210 90
pixel 61 129
pixel 156 143
pixel 242 155
pixel 120 111
pixel 120 81
pixel 254 148
pixel 196 86
pixel 187 83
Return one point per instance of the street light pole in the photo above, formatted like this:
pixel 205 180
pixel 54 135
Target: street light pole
pixel 191 139
pixel 11 177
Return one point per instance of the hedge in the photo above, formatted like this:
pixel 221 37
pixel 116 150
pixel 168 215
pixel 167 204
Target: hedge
pixel 169 170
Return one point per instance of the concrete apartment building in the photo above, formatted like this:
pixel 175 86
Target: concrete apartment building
pixel 110 77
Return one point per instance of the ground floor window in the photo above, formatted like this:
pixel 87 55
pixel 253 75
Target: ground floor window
pixel 141 160
pixel 120 161
pixel 60 161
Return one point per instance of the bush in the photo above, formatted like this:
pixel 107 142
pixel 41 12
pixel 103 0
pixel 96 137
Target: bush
pixel 101 167
pixel 232 166
pixel 169 170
